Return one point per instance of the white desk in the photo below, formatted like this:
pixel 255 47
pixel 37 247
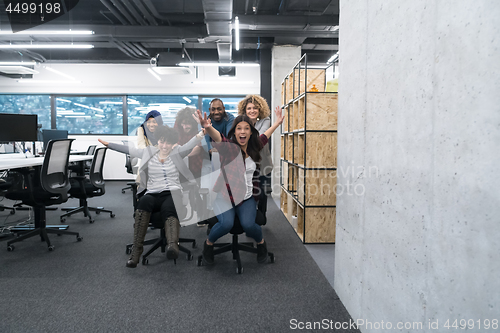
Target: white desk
pixel 23 162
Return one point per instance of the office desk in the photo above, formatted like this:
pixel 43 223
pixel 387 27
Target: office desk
pixel 36 162
pixel 23 162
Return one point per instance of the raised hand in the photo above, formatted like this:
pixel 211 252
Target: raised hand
pixel 203 121
pixel 279 115
pixel 103 142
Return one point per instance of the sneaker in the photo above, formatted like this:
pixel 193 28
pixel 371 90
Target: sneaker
pixel 208 253
pixel 262 253
pixel 202 223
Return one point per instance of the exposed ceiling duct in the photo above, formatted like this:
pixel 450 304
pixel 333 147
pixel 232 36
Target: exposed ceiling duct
pixel 218 18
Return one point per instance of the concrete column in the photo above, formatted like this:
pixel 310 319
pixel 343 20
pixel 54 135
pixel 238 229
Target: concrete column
pixel 283 60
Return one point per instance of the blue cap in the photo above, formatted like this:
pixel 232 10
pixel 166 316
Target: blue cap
pixel 155 114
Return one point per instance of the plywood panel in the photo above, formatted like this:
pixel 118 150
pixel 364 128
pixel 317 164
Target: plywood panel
pixel 321 111
pixel 300 149
pixel 285 175
pixel 319 189
pixel 301 118
pixel 284 202
pixel 321 150
pixel 319 225
pixel 291 208
pixel 289 148
pixel 315 77
pixel 300 222
pixel 282 146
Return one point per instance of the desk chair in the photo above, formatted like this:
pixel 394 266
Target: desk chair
pixel 76 167
pixel 235 247
pixel 84 188
pixel 129 161
pixel 5 184
pixel 158 223
pixel 48 187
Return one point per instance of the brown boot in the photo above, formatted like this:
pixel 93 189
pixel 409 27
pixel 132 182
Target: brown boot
pixel 140 229
pixel 172 229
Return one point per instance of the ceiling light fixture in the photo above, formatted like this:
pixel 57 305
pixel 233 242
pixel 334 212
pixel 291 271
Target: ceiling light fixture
pixel 48 32
pixel 18 63
pixel 334 58
pixel 221 64
pixel 237 32
pixel 154 74
pixel 46 81
pixel 46 46
pixel 17 70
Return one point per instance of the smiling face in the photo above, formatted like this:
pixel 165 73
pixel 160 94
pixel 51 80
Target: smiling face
pixel 242 133
pixel 252 112
pixel 152 125
pixel 186 126
pixel 217 110
pixel 164 147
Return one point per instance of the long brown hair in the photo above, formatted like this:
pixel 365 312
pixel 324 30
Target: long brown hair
pixel 254 144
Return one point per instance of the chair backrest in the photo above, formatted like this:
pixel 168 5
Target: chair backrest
pixel 91 150
pixel 95 173
pixel 128 164
pixel 54 174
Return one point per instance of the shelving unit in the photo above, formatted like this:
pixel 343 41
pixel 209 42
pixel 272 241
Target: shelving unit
pixel 309 154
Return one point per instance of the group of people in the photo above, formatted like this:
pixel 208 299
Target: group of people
pixel 172 158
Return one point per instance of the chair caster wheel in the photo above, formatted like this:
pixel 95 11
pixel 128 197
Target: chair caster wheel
pixel 51 248
pixel 123 191
pixel 145 261
pixel 79 238
pixel 271 257
pixel 12 212
pixel 190 257
pixel 199 261
pixel 91 221
pixel 63 219
pixel 112 215
pixel 10 248
pixel 239 270
pixel 98 212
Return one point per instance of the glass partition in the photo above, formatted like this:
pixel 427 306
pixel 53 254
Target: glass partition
pixel 167 105
pixel 89 115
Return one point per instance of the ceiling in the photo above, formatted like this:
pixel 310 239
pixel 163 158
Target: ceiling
pixel 134 31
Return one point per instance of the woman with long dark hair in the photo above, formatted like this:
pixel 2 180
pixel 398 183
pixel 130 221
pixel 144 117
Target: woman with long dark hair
pixel 145 132
pixel 237 186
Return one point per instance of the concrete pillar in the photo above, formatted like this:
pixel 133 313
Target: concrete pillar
pixel 283 60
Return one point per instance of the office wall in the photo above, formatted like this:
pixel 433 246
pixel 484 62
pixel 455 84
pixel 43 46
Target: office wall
pixel 104 79
pixel 417 228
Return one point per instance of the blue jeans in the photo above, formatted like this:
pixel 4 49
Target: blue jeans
pixel 226 213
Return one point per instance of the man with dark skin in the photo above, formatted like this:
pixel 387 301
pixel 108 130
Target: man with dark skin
pixel 221 120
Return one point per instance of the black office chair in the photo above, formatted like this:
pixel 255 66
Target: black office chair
pixel 84 188
pixel 48 187
pixel 158 223
pixel 128 166
pixel 6 183
pixel 75 167
pixel 235 247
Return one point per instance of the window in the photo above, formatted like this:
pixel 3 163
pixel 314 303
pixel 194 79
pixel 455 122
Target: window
pixel 168 105
pixel 28 104
pixel 230 104
pixel 90 115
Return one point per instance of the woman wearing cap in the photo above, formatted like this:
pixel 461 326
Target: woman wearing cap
pixel 145 132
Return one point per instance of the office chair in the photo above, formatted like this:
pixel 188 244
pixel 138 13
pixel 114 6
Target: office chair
pixel 130 169
pixel 76 167
pixel 5 184
pixel 157 222
pixel 84 188
pixel 235 247
pixel 48 187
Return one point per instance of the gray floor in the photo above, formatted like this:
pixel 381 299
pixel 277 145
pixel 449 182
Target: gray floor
pixel 323 254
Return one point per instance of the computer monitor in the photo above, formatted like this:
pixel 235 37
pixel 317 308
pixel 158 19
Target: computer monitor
pixel 18 127
pixel 53 135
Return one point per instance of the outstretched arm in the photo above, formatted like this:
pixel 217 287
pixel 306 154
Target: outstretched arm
pixel 279 120
pixel 207 125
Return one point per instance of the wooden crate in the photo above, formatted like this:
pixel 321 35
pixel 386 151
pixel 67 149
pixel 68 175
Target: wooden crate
pixel 291 208
pixel 282 146
pixel 320 150
pixel 284 171
pixel 302 114
pixel 288 89
pixel 320 187
pixel 300 222
pixel 283 201
pixel 321 111
pixel 289 147
pixel 315 77
pixel 295 115
pixel 319 225
pixel 299 154
pixel 285 120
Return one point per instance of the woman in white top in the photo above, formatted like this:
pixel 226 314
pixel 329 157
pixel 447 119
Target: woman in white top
pixel 257 109
pixel 160 169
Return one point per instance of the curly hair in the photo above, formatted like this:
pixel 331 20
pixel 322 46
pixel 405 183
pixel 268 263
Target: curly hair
pixel 168 134
pixel 257 100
